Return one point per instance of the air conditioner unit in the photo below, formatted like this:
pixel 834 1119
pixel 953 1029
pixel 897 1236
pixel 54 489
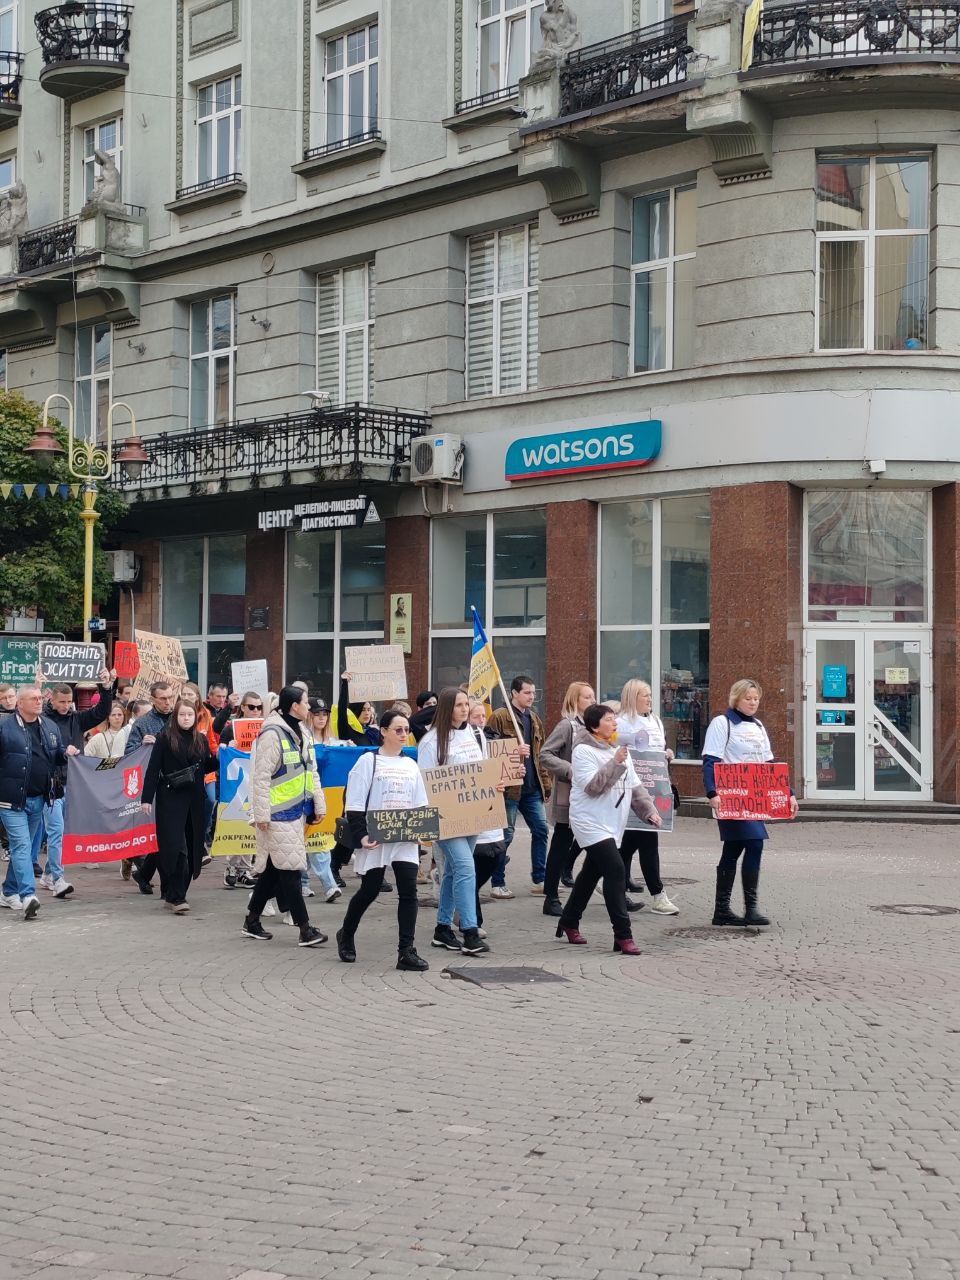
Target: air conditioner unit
pixel 436 459
pixel 123 566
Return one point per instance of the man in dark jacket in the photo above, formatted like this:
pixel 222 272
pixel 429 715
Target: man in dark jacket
pixel 527 799
pixel 149 727
pixel 31 750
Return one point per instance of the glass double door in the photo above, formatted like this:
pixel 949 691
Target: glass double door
pixel 868 715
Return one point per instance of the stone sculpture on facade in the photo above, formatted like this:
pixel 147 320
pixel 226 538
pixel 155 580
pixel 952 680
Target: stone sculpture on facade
pixel 13 212
pixel 105 196
pixel 558 28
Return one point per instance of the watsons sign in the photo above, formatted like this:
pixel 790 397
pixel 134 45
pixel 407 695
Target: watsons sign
pixel 565 453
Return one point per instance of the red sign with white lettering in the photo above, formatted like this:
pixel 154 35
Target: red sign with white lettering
pixel 753 792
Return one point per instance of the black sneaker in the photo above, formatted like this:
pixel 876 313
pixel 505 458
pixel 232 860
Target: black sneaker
pixel 443 936
pixel 254 929
pixel 567 880
pixel 386 887
pixel 552 907
pixel 339 880
pixel 632 905
pixel 247 879
pixel 345 949
pixel 407 958
pixel 311 937
pixel 230 879
pixel 143 885
pixel 473 944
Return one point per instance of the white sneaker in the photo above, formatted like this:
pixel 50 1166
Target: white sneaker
pixel 663 906
pixel 286 918
pixel 62 888
pixel 31 905
pixel 11 900
pixel 308 892
pixel 270 909
pixel 500 891
pixel 334 894
pixel 45 881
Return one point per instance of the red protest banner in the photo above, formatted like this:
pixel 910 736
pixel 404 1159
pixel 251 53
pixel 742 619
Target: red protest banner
pixel 126 659
pixel 753 791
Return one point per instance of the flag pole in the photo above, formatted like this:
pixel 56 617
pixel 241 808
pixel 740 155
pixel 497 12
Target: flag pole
pixel 506 696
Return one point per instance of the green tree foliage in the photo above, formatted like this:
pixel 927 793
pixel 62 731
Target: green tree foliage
pixel 41 539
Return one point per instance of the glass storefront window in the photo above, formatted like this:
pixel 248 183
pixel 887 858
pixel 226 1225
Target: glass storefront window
pixel 459 570
pixel 220 654
pixel 624 655
pixel 311 559
pixel 202 596
pixel 516 655
pixel 685 560
pixel 626 563
pixel 867 555
pixel 685 690
pixel 520 569
pixel 312 661
pixel 227 575
pixel 363 565
pixel 182 587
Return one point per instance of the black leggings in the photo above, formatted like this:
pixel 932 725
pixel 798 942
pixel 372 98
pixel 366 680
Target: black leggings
pixel 561 856
pixel 485 858
pixel 339 857
pixel 752 851
pixel 285 887
pixel 405 874
pixel 602 861
pixel 645 844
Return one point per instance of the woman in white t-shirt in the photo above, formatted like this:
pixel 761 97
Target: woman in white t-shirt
pixel 604 788
pixel 639 728
pixel 384 779
pixel 738 737
pixel 108 743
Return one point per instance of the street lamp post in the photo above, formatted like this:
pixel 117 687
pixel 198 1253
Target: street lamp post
pixel 90 461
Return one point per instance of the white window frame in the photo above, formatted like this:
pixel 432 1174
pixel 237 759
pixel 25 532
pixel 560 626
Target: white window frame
pixel 11 159
pixel 4 365
pixel 505 20
pixel 11 7
pixel 655 628
pixel 211 355
pixel 212 119
pixel 869 238
pixel 669 264
pixel 88 164
pixel 343 329
pixel 337 129
pixel 87 334
pixel 527 293
pixel 203 638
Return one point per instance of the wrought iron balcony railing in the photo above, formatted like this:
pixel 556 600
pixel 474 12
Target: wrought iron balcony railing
pixel 348 439
pixel 45 247
pixel 210 184
pixel 508 94
pixel 84 32
pixel 11 78
pixel 643 61
pixel 343 144
pixel 856 30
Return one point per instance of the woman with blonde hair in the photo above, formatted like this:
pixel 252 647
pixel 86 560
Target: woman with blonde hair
pixel 555 756
pixel 738 737
pixel 640 729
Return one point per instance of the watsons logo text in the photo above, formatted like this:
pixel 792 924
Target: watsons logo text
pixel 631 444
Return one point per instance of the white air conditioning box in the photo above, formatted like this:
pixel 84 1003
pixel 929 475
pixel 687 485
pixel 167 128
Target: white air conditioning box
pixel 123 566
pixel 436 459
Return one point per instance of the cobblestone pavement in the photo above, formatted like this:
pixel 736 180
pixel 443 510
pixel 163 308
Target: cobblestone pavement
pixel 185 1102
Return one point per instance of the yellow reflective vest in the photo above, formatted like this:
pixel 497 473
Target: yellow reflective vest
pixel 291 786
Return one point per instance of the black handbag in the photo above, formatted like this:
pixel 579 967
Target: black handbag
pixel 341 829
pixel 181 779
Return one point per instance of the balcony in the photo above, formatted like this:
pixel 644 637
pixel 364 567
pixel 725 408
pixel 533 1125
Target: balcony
pixel 11 79
pixel 370 142
pixel 84 46
pixel 633 68
pixel 346 443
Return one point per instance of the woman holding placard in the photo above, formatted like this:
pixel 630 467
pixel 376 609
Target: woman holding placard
pixel 555 758
pixel 384 779
pixel 738 737
pixel 452 741
pixel 638 728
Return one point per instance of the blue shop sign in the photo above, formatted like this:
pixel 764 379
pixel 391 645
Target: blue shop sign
pixel 567 453
pixel 834 680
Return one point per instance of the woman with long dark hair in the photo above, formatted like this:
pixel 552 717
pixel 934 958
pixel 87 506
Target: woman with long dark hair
pixel 555 756
pixel 174 781
pixel 384 779
pixel 450 740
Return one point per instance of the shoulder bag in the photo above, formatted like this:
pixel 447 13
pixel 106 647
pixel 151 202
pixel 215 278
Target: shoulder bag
pixel 341 831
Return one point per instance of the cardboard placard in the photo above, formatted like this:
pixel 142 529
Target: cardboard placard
pixel 378 672
pixel 467 796
pixel 654 772
pixel 66 660
pixel 404 826
pixel 507 752
pixel 753 792
pixel 126 659
pixel 246 731
pixel 161 658
pixel 250 677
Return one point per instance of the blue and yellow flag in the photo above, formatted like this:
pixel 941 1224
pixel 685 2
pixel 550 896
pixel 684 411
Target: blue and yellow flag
pixel 484 672
pixel 751 20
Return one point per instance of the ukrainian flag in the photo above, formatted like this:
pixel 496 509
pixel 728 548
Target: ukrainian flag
pixel 751 20
pixel 484 672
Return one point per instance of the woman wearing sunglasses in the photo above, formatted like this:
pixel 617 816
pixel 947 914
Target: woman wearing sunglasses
pixel 238 869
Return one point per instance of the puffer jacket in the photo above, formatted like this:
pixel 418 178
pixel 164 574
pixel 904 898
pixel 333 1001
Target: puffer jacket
pixel 555 758
pixel 282 842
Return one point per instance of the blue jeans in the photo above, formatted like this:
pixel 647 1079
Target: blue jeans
pixel 22 825
pixel 53 823
pixel 530 808
pixel 319 864
pixel 458 888
pixel 209 804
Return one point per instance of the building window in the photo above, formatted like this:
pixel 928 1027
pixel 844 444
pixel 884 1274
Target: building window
pixel 218 129
pixel 873 232
pixel 92 380
pixel 107 138
pixel 345 316
pixel 8 172
pixel 509 39
pixel 498 563
pixel 503 278
pixel 213 353
pixel 8 26
pixel 868 555
pixel 664 254
pixel 351 77
pixel 335 586
pixel 654 610
pixel 3 370
pixel 202 599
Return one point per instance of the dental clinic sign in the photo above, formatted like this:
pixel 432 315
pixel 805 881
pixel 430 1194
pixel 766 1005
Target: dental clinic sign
pixel 567 453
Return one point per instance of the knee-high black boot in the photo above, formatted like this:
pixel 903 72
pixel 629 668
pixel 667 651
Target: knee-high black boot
pixel 751 880
pixel 721 908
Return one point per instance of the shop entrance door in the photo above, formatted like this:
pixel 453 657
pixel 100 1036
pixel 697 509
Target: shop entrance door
pixel 868 715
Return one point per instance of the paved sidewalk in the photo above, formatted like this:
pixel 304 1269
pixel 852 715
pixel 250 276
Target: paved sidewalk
pixel 184 1102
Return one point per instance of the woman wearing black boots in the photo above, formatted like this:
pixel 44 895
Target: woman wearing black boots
pixel 738 737
pixel 555 757
pixel 384 779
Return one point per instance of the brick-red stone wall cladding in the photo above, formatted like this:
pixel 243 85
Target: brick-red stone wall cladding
pixel 265 586
pixel 408 570
pixel 571 601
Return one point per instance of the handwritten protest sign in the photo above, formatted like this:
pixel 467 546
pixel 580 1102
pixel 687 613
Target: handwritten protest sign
pixel 245 732
pixel 161 658
pixel 126 659
pixel 250 677
pixel 410 826
pixel 69 661
pixel 507 752
pixel 377 671
pixel 753 791
pixel 654 772
pixel 467 796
